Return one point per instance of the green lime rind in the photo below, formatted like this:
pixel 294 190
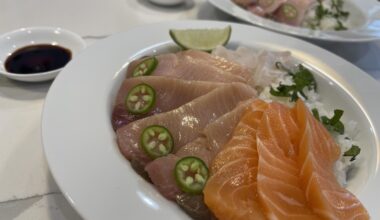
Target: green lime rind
pixel 201 39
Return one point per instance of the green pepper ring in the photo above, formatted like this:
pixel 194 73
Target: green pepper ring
pixel 179 175
pixel 144 142
pixel 151 64
pixel 132 92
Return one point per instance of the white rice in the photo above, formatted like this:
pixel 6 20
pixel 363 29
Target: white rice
pixel 327 23
pixel 266 75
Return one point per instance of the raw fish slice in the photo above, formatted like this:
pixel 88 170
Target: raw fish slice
pixel 317 154
pixel 245 3
pixel 166 63
pixel 219 62
pixel 269 6
pixel 301 7
pixel 280 193
pixel 244 56
pixel 161 173
pixel 194 206
pixel 262 64
pixel 231 191
pixel 257 10
pixel 266 71
pixel 214 136
pixel 189 68
pixel 185 122
pixel 171 93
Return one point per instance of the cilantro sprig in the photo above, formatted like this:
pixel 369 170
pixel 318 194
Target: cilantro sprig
pixel 353 152
pixel 334 124
pixel 335 12
pixel 302 78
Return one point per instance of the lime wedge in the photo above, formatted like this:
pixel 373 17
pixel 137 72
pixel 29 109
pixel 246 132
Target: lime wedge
pixel 201 39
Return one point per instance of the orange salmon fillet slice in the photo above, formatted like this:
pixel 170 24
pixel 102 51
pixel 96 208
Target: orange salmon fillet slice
pixel 231 191
pixel 280 193
pixel 317 155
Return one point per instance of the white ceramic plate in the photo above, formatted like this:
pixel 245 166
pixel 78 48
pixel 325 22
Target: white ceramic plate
pixel 80 144
pixel 365 15
pixel 14 40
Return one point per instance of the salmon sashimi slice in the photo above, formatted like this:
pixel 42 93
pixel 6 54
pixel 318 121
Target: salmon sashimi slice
pixel 192 67
pixel 231 191
pixel 184 123
pixel 170 93
pixel 280 193
pixel 214 136
pixel 317 154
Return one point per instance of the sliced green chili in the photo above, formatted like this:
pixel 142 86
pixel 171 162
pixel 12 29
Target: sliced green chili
pixel 156 141
pixel 191 174
pixel 146 67
pixel 140 99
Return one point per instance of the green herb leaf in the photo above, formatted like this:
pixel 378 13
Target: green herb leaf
pixel 282 91
pixel 334 123
pixel 302 78
pixel 316 114
pixel 335 12
pixel 338 113
pixel 353 152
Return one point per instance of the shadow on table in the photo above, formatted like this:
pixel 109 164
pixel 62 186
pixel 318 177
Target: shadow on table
pixel 187 5
pixel 23 90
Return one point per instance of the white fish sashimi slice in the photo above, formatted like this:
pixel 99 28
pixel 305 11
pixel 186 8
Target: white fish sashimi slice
pixel 266 72
pixel 245 3
pixel 215 135
pixel 269 6
pixel 262 64
pixel 242 55
pixel 185 122
pixel 170 93
pixel 228 66
pixel 191 66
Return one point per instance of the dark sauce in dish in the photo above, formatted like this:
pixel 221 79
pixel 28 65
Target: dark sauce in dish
pixel 37 58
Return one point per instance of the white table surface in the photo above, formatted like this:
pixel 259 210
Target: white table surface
pixel 27 189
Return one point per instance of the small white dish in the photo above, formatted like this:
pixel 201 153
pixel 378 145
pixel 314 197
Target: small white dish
pixel 167 2
pixel 14 40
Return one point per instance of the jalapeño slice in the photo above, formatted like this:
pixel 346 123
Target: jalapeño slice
pixel 191 174
pixel 140 99
pixel 146 67
pixel 156 141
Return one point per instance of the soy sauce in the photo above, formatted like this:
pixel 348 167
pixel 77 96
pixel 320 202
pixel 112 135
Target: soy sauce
pixel 37 58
